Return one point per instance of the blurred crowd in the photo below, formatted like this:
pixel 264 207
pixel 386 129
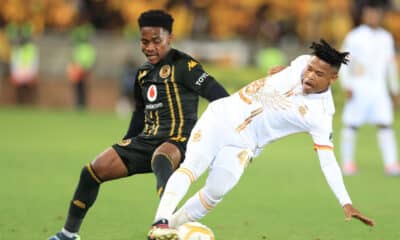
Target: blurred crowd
pixel 215 19
pixel 261 23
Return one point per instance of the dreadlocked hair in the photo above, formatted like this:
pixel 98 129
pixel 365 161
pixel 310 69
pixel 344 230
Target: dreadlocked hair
pixel 329 54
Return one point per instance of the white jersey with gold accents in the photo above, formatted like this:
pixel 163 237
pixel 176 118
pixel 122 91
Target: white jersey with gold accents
pixel 275 106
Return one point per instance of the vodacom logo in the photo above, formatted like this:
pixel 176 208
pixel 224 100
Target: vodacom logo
pixel 152 93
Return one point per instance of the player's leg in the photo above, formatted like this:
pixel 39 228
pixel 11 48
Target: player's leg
pixel 382 116
pixel 176 188
pixel 388 146
pixel 166 158
pixel 107 166
pixel 347 145
pixel 224 174
pixel 354 114
pixel 178 184
pixel 201 150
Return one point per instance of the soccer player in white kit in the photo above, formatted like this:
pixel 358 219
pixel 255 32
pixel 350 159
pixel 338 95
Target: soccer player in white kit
pixel 234 129
pixel 371 72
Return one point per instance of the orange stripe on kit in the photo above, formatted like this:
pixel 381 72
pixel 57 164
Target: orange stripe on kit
pixel 188 173
pixel 322 147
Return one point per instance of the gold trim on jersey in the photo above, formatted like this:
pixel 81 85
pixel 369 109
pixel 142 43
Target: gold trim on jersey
pixel 141 75
pixel 146 125
pixel 243 97
pixel 247 92
pixel 289 93
pixel 171 107
pixel 179 139
pixel 248 120
pixel 179 103
pixel 157 124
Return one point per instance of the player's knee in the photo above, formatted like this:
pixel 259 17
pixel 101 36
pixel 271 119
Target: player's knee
pixel 167 151
pixel 218 185
pixel 161 161
pixel 383 126
pixel 89 176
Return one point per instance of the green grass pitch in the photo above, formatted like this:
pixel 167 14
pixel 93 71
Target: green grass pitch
pixel 282 195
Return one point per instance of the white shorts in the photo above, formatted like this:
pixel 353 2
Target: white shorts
pixel 212 144
pixel 362 109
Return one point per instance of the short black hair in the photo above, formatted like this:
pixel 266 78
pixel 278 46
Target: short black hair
pixel 156 18
pixel 382 4
pixel 329 54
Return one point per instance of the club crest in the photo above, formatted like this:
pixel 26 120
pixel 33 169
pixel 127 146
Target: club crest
pixel 165 71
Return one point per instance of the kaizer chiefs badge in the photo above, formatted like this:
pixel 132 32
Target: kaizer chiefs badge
pixel 165 71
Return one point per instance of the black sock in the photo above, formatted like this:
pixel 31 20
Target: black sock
pixel 84 197
pixel 162 168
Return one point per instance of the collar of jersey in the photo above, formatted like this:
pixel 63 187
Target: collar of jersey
pixel 318 95
pixel 167 59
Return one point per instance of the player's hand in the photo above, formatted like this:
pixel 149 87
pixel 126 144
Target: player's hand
pixel 275 69
pixel 351 212
pixel 348 93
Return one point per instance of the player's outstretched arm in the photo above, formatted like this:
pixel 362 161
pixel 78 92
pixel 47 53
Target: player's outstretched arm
pixel 351 212
pixel 334 178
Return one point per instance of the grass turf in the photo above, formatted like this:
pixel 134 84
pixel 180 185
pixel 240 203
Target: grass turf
pixel 282 195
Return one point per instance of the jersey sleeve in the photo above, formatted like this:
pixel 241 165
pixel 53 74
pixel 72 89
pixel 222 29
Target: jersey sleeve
pixel 136 124
pixel 300 61
pixel 198 80
pixel 321 133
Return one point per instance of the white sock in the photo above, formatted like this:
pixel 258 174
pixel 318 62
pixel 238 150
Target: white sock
pixel 177 186
pixel 387 144
pixel 219 182
pixel 68 233
pixel 347 144
pixel 194 209
pixel 180 217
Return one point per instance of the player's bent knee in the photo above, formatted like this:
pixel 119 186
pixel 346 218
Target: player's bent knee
pixel 109 165
pixel 89 176
pixel 170 152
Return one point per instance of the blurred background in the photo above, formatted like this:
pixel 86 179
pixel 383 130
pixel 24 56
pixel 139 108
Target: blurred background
pixel 66 69
pixel 48 46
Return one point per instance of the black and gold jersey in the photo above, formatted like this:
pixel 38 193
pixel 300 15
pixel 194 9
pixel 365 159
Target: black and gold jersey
pixel 168 93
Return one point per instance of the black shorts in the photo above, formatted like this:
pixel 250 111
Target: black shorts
pixel 137 152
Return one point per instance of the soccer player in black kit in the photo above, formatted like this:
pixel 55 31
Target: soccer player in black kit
pixel 167 90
